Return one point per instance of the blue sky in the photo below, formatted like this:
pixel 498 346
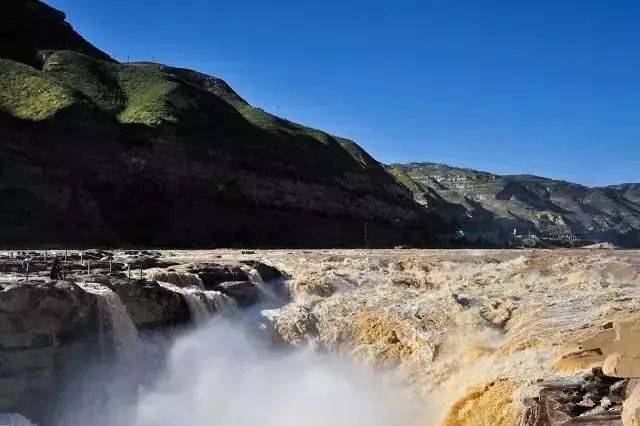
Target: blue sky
pixel 549 87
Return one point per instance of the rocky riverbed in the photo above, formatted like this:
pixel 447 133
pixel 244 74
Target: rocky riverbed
pixel 476 336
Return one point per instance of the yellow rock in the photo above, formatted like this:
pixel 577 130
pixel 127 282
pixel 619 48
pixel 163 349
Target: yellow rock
pixel 631 406
pixel 599 341
pixel 618 348
pixel 386 334
pixel 580 361
pixel 487 405
pixel 627 326
pixel 620 365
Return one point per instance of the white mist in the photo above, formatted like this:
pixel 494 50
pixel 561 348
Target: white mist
pixel 220 375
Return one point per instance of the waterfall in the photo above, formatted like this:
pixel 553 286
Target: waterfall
pixel 220 303
pixel 266 293
pixel 193 296
pixel 113 318
pixel 222 374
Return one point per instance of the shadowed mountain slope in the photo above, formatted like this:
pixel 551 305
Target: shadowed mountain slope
pixel 97 152
pixel 30 28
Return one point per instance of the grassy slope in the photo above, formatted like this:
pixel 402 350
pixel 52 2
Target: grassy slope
pixel 135 94
pixel 29 94
pixel 142 93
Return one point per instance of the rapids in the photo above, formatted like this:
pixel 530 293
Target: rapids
pixel 226 371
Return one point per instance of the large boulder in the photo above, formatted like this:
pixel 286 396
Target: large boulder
pixel 149 305
pixel 35 312
pixel 267 272
pixel 245 293
pixel 594 400
pixel 213 274
pixel 40 324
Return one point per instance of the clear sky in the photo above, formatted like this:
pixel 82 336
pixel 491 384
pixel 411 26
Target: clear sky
pixel 549 87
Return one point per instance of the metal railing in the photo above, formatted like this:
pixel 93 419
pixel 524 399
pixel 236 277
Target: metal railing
pixel 23 263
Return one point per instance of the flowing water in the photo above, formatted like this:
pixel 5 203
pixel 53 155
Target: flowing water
pixel 221 374
pixel 194 298
pixel 202 303
pixel 266 292
pixel 113 319
pixel 224 373
pixel 220 303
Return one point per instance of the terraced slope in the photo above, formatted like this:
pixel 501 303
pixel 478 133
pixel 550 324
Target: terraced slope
pixel 525 209
pixel 97 152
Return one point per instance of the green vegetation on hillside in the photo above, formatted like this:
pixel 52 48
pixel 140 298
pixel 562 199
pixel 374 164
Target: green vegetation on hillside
pixel 147 89
pixel 29 94
pixel 91 78
pixel 135 93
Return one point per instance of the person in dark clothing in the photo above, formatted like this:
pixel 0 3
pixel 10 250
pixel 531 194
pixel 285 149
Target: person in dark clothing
pixel 56 269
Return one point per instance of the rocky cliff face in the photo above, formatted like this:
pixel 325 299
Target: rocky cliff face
pixel 96 152
pixel 51 329
pixel 524 209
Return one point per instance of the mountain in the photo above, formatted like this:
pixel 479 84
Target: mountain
pixel 630 191
pixel 29 29
pixel 97 152
pixel 524 209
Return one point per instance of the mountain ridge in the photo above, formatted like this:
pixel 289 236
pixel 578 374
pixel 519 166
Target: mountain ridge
pixel 529 175
pixel 525 209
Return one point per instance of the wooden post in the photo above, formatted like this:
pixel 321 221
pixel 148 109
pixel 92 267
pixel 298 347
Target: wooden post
pixel 27 271
pixel 110 266
pixel 65 255
pixel 45 258
pixel 82 257
pixel 88 267
pixel 129 270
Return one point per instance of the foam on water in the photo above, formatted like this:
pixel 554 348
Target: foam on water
pixel 266 293
pixel 220 303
